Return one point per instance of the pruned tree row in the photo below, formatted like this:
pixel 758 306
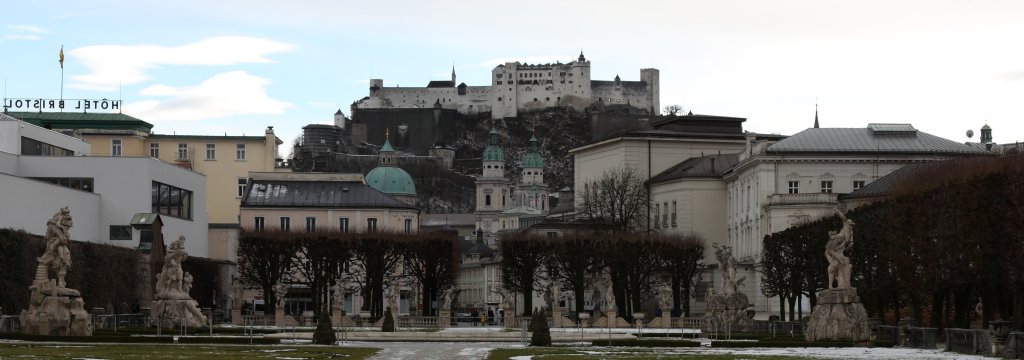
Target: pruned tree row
pixel 371 262
pixel 947 239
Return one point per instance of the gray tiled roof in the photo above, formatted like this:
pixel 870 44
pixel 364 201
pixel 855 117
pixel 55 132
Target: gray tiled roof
pixel 882 138
pixel 447 219
pixel 704 166
pixel 885 185
pixel 317 194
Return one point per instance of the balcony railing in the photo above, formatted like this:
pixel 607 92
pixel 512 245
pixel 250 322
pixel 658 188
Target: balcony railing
pixel 801 199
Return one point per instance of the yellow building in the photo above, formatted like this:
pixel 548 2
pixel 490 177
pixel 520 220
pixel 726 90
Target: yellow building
pixel 225 160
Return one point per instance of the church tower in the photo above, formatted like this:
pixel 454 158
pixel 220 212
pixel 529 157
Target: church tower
pixel 533 192
pixel 493 189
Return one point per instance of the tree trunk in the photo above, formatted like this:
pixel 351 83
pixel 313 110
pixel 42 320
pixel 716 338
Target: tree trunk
pixel 800 307
pixel 686 302
pixel 676 301
pixel 527 302
pixel 937 309
pixel 782 308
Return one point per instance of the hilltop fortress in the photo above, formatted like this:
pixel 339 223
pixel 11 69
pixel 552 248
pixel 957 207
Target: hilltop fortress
pixel 519 87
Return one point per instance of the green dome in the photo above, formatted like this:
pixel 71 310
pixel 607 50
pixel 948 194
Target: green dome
pixel 532 159
pixel 391 180
pixel 493 152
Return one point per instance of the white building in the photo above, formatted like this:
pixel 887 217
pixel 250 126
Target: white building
pixel 42 170
pixel 519 87
pixel 776 185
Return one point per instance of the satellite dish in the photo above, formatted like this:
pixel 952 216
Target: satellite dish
pixel 970 134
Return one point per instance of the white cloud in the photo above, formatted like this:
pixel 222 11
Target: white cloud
pixel 223 95
pixel 113 65
pixel 22 32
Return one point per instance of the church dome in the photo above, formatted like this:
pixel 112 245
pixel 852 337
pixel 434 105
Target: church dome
pixel 391 180
pixel 493 152
pixel 532 159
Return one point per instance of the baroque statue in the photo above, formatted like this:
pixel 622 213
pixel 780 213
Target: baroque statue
pixel 838 264
pixel 54 309
pixel 280 290
pixel 173 302
pixel 446 297
pixel 727 306
pixel 665 297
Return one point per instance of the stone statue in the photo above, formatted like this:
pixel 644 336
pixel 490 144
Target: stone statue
pixel 665 295
pixel 173 303
pixel 339 296
pixel 839 266
pixel 727 263
pixel 280 290
pixel 446 297
pixel 726 308
pixel 609 297
pixel 506 299
pixel 238 293
pixel 392 297
pixel 57 256
pixel 53 308
pixel 838 313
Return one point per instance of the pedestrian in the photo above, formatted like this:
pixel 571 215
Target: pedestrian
pixel 490 315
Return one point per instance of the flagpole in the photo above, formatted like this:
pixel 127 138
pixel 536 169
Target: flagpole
pixel 61 61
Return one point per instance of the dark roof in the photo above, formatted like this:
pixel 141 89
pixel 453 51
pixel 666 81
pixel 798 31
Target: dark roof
pixel 885 185
pixel 77 120
pixel 205 137
pixel 438 220
pixel 317 194
pixel 704 166
pixel 441 84
pixel 876 138
pixel 480 248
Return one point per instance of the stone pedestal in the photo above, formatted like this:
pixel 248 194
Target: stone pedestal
pixel 174 312
pixel 664 321
pixel 279 316
pixel 236 316
pixel 838 315
pixel 336 316
pixel 611 320
pixel 55 311
pixel 444 318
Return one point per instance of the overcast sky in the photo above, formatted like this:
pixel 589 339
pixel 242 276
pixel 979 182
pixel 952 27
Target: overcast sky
pixel 204 67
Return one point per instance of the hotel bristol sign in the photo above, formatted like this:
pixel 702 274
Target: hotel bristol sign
pixel 40 105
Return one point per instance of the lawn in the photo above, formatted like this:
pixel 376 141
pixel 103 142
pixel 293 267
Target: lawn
pixel 219 352
pixel 555 353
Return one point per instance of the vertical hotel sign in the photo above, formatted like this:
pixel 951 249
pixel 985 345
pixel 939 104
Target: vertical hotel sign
pixel 58 105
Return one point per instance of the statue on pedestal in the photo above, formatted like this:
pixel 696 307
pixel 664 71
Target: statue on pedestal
pixel 609 298
pixel 280 290
pixel 446 302
pixel 727 307
pixel 665 297
pixel 55 309
pixel 237 293
pixel 838 313
pixel 339 296
pixel 173 303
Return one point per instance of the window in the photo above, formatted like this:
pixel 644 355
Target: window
pixel 182 151
pixel 241 186
pixel 408 226
pixel 115 147
pixel 211 151
pixel 240 152
pixel 487 200
pixel 343 225
pixel 371 225
pixel 120 232
pixel 664 215
pixel 84 184
pixel 657 214
pixel 286 223
pixel 310 224
pixel 826 186
pixel 673 213
pixel 154 150
pixel 172 201
pixel 857 184
pixel 794 186
pixel 257 223
pixel 35 147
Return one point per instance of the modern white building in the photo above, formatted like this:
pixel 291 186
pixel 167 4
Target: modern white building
pixel 43 170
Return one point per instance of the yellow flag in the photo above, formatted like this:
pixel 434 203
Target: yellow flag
pixel 62 56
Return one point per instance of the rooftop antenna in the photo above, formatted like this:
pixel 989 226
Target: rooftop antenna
pixel 120 99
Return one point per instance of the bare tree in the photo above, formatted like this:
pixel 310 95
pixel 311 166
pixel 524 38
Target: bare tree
pixel 432 259
pixel 617 201
pixel 522 265
pixel 673 110
pixel 264 258
pixel 684 262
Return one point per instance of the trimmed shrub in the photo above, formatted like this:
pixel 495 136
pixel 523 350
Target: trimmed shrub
pixel 324 333
pixel 541 333
pixel 389 322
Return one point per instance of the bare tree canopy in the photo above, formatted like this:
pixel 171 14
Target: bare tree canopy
pixel 673 109
pixel 617 200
